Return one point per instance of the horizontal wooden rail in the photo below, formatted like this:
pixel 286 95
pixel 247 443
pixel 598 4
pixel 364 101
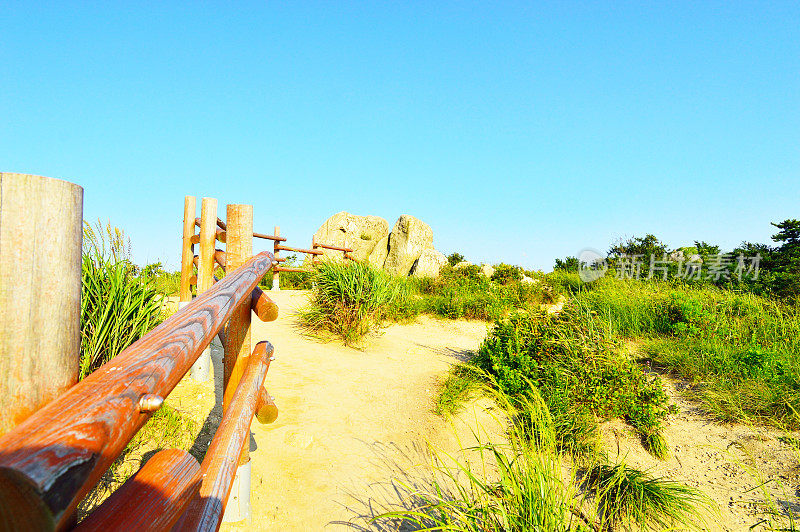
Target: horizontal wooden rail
pixel 152 499
pixel 263 306
pixel 51 460
pixel 335 248
pixel 279 247
pixel 269 237
pixel 220 223
pixel 287 269
pixel 222 458
pixel 221 235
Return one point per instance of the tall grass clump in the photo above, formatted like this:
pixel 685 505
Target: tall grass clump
pixel 525 484
pixel 117 306
pixel 633 498
pixel 349 300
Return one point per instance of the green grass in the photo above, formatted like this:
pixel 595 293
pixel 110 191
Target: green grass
pixel 509 487
pixel 580 371
pixel 459 385
pixel 738 349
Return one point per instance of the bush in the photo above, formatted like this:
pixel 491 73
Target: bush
pixel 351 299
pixel 505 274
pixel 578 370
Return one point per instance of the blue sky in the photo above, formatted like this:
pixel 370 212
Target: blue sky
pixel 520 132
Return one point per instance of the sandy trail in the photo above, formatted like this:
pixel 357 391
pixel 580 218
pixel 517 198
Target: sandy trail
pixel 350 420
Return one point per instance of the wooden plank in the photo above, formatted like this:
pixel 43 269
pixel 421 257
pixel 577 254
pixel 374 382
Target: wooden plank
pixel 51 461
pixel 233 435
pixel 280 247
pixel 151 500
pixel 266 411
pixel 220 223
pixel 221 235
pixel 189 208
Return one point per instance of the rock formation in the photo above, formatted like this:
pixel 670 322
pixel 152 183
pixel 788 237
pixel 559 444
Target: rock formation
pixel 406 250
pixel 428 264
pixel 359 233
pixel 408 239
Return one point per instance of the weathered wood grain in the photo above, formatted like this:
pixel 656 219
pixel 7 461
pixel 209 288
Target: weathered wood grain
pixel 50 461
pixel 151 500
pixel 41 224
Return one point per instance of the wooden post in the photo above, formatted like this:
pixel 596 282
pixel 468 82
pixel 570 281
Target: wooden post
pixel 276 281
pixel 41 228
pixel 208 231
pixel 201 369
pixel 237 342
pixel 314 258
pixel 189 208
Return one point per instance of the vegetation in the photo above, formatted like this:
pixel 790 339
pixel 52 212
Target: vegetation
pixel 630 497
pixel 117 306
pixel 579 370
pixel 350 299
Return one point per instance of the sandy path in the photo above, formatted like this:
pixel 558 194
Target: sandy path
pixel 349 421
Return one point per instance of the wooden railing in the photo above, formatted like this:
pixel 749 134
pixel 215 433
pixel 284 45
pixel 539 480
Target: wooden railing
pixel 54 458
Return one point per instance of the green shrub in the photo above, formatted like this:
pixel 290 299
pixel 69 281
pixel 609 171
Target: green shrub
pixel 117 307
pixel 505 273
pixel 578 369
pixel 351 299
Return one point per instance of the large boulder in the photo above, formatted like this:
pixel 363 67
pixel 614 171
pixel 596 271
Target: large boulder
pixel 408 239
pixel 359 233
pixel 487 270
pixel 378 254
pixel 428 264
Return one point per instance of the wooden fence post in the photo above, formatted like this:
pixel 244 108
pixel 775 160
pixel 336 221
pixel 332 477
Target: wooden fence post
pixel 205 274
pixel 237 349
pixel 41 228
pixel 276 280
pixel 189 209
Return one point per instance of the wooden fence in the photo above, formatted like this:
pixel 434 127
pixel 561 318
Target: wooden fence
pixel 54 458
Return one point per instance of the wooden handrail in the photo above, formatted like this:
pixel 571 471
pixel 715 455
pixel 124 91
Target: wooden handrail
pixel 280 247
pixel 335 248
pixel 50 461
pixel 205 512
pixel 152 499
pixel 270 237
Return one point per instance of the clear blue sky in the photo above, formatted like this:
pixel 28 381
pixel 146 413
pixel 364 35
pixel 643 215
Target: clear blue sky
pixel 519 131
